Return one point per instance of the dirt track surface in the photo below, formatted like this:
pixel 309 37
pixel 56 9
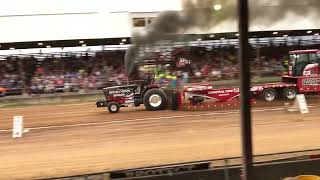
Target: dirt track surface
pixel 78 139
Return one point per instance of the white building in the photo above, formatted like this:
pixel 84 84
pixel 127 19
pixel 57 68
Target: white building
pixel 64 21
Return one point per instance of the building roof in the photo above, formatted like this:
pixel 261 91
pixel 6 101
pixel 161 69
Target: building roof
pixel 305 51
pixel 261 37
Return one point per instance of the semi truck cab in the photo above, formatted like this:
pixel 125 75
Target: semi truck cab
pixel 304 63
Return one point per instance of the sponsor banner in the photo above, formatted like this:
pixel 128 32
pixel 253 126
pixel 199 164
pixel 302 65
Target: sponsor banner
pixel 224 91
pixel 159 171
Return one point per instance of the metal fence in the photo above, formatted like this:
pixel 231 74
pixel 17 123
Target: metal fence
pixel 267 167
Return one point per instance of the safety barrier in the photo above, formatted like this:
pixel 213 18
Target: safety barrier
pixel 267 166
pixel 50 99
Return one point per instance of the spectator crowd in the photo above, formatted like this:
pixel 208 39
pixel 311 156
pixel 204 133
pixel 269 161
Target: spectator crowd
pixel 86 72
pixel 69 73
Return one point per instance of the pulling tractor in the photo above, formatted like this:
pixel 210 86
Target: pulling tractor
pixel 145 92
pixel 302 78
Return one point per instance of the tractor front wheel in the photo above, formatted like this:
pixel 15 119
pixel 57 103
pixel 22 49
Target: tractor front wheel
pixel 113 107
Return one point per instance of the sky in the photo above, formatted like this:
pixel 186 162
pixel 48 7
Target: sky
pixel 18 7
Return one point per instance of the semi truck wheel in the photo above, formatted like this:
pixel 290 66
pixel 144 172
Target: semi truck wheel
pixel 155 99
pixel 269 94
pixel 113 107
pixel 290 93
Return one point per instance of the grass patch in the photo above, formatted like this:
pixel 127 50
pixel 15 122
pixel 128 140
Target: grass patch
pixel 19 105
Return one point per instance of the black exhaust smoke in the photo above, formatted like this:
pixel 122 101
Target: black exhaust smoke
pixel 200 14
pixel 196 13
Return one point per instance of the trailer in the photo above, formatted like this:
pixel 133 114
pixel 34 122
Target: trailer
pixel 268 92
pixel 302 78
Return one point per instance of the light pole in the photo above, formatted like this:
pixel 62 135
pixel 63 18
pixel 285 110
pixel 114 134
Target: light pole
pixel 217 5
pixel 246 124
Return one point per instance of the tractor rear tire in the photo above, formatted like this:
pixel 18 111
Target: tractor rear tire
pixel 113 107
pixel 155 99
pixel 269 94
pixel 290 93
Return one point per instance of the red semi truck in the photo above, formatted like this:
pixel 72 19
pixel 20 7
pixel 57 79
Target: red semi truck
pixel 302 78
